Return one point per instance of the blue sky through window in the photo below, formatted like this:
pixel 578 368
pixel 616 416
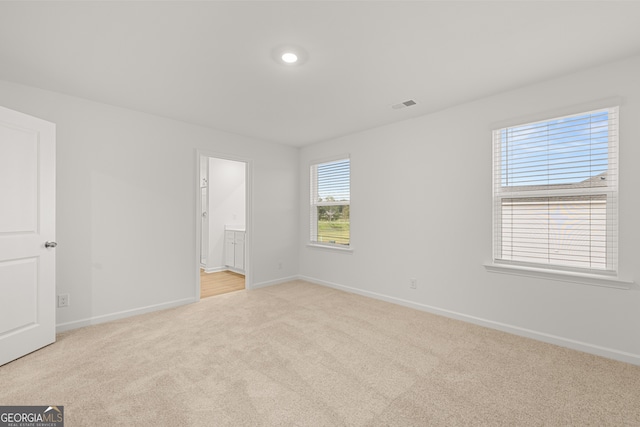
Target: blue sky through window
pixel 567 150
pixel 333 180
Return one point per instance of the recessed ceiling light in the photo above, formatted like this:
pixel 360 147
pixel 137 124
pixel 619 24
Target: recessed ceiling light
pixel 289 55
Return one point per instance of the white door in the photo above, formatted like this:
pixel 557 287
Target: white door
pixel 27 223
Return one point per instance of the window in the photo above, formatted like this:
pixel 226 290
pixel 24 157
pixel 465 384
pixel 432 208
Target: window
pixel 330 200
pixel 555 193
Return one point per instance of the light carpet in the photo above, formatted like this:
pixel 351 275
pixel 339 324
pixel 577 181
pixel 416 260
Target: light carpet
pixel 298 354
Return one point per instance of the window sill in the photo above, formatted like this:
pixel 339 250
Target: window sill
pixel 563 276
pixel 330 247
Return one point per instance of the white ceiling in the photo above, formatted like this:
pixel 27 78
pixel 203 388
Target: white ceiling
pixel 209 62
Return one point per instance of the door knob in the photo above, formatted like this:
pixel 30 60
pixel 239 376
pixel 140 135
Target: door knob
pixel 50 245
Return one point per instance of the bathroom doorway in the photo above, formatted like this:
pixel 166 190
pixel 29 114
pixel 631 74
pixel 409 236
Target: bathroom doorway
pixel 222 206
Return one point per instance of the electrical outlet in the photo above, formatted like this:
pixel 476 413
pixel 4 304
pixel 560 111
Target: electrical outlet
pixel 63 300
pixel 413 283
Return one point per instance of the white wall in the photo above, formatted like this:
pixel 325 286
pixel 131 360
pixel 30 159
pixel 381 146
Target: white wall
pixel 421 207
pixel 226 205
pixel 126 204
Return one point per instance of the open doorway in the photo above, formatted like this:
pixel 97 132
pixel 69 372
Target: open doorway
pixel 222 207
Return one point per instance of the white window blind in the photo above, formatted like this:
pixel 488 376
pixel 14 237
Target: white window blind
pixel 555 192
pixel 330 203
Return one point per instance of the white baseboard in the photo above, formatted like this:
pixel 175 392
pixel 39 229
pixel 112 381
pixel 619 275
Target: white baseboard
pixel 61 327
pixel 515 330
pixel 215 269
pixel 275 282
pixel 223 268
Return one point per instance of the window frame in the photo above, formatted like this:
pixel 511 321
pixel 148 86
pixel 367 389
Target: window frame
pixel 609 191
pixel 315 204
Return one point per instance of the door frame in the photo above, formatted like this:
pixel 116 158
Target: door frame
pixel 248 267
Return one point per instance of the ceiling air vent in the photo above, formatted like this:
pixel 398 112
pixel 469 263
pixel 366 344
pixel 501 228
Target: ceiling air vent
pixel 404 104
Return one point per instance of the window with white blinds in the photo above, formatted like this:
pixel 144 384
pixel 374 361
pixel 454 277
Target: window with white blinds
pixel 330 203
pixel 555 193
